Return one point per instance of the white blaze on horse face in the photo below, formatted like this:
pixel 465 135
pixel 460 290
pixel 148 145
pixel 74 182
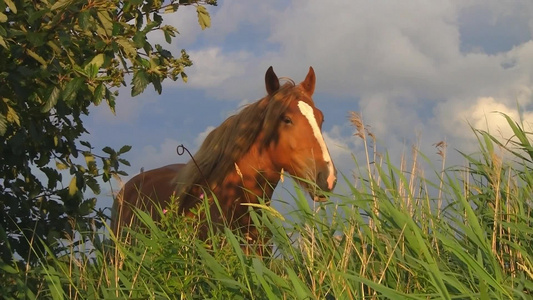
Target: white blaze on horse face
pixel 307 111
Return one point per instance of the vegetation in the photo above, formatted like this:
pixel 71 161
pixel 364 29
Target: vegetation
pixel 397 235
pixel 59 58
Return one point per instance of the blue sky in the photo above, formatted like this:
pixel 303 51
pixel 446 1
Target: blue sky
pixel 415 70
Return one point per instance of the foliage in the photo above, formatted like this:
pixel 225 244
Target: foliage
pixel 58 58
pixel 394 235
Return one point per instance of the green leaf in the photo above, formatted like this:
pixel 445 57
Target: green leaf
pixel 157 84
pixel 73 186
pixel 91 163
pixel 139 39
pixel 111 102
pixel 91 71
pixel 258 270
pixel 98 60
pixel 3 43
pixel 98 94
pixel 61 4
pixel 71 89
pixel 203 17
pixel 36 15
pixel 11 6
pixel 37 39
pixel 217 270
pixel 52 100
pixel 87 206
pixel 169 32
pixel 53 281
pixel 12 116
pixel 300 288
pixel 109 151
pixel 124 149
pixel 139 82
pixel 128 46
pixel 86 144
pixel 37 57
pixel 171 8
pixel 54 47
pixel 145 63
pixel 83 19
pixel 61 166
pixel 3 17
pixel 7 268
pixel 3 124
pixel 105 21
pixel 168 38
pixel 124 162
pixel 93 185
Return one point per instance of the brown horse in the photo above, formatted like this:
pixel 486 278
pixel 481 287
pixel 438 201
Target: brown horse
pixel 242 160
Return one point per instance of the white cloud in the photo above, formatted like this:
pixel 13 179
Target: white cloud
pixel 232 16
pixel 483 114
pixel 201 137
pixel 161 155
pixel 213 68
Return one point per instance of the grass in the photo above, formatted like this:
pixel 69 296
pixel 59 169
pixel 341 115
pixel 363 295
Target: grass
pixel 396 235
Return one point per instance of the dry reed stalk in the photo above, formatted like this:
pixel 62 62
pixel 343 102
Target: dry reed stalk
pixel 495 175
pixel 509 235
pixel 466 190
pixel 362 132
pixel 412 179
pixel 400 187
pixel 441 151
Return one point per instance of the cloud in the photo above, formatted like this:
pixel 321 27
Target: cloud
pixel 483 114
pixel 201 137
pixel 161 155
pixel 213 68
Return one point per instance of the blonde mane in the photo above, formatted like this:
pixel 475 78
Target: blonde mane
pixel 226 144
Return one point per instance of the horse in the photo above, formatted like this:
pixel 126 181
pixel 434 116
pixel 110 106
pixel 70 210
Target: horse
pixel 241 162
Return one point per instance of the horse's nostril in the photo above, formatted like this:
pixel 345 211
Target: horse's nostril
pixel 324 182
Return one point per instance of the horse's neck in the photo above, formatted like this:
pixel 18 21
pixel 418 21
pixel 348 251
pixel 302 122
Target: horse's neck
pixel 253 176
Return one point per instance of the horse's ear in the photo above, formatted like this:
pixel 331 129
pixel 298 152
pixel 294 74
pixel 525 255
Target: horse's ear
pixel 271 81
pixel 309 83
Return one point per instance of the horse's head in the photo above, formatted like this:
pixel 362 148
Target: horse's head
pixel 297 145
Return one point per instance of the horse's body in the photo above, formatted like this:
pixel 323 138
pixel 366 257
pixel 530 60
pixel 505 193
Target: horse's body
pixel 143 191
pixel 242 160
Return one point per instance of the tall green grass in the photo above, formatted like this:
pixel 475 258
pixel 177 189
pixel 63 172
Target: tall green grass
pixel 468 234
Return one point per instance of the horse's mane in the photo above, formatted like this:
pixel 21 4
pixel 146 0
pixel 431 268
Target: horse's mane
pixel 226 144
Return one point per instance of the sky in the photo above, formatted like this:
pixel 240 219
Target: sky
pixel 418 72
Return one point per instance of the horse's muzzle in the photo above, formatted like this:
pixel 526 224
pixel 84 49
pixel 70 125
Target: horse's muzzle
pixel 325 181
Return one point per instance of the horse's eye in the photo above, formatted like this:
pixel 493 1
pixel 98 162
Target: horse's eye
pixel 286 120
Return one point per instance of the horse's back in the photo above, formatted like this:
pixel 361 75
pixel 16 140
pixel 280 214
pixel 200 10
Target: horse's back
pixel 143 191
